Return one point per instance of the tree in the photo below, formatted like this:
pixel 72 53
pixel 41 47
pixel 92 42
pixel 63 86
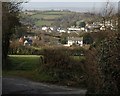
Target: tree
pixel 82 24
pixel 87 39
pixel 10 19
pixel 107 13
pixel 64 38
pixel 102 65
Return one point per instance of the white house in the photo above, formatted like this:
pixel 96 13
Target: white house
pixel 102 27
pixel 44 28
pixel 26 42
pixel 51 28
pixel 82 29
pixel 75 40
pixel 62 31
pixel 73 29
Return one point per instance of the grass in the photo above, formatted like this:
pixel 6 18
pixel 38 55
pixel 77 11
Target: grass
pixel 30 62
pixel 48 17
pixel 56 13
pixel 36 48
pixel 50 14
pixel 42 23
pixel 28 56
pixel 24 62
pixel 78 58
pixel 29 66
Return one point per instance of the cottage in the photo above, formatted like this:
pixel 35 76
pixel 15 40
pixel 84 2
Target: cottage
pixel 26 43
pixel 27 40
pixel 44 28
pixel 75 40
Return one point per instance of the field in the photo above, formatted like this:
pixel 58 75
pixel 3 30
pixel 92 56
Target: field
pixel 48 17
pixel 24 62
pixel 43 22
pixel 26 66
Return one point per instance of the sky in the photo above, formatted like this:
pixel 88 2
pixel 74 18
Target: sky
pixel 73 0
pixel 72 5
pixel 64 0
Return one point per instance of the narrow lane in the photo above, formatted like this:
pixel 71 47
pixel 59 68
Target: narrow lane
pixel 24 86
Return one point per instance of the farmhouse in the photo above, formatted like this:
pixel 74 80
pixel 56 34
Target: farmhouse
pixel 44 28
pixel 75 41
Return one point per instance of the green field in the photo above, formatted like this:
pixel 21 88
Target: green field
pixel 30 62
pixel 48 17
pixel 24 62
pixel 45 16
pixel 42 23
pixel 26 66
pixel 50 14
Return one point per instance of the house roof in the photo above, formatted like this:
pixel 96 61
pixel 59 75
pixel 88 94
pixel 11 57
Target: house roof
pixel 75 38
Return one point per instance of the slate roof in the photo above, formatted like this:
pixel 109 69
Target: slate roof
pixel 75 38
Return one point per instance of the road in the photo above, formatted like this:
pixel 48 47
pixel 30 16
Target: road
pixel 23 86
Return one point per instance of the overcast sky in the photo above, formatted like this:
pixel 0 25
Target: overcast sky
pixel 73 0
pixel 73 5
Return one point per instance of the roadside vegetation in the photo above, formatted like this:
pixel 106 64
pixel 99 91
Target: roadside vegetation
pixel 56 65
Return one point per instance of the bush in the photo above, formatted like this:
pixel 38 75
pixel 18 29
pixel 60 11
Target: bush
pixel 109 60
pixel 102 67
pixel 23 50
pixel 59 64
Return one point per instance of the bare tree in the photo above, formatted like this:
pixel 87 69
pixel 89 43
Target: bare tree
pixel 108 13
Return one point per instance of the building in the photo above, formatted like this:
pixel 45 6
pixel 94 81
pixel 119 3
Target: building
pixel 75 41
pixel 21 40
pixel 61 30
pixel 74 29
pixel 27 40
pixel 44 28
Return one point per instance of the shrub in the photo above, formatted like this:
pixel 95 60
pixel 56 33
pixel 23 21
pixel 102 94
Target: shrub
pixel 59 64
pixel 102 66
pixel 109 60
pixel 23 50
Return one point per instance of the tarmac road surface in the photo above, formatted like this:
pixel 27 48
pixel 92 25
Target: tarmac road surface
pixel 17 85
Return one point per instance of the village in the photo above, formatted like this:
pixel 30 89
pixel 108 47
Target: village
pixel 73 33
